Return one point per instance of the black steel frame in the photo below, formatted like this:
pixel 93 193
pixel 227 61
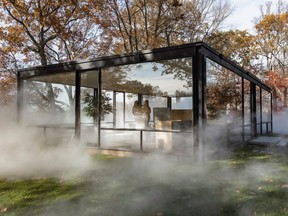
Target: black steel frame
pixel 199 52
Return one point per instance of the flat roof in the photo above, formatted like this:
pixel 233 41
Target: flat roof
pixel 172 52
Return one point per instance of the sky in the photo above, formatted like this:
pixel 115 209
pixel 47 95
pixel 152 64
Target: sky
pixel 245 11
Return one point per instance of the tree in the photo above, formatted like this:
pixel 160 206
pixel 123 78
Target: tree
pixel 223 92
pixel 144 24
pixel 42 32
pixel 279 83
pixel 272 40
pixel 237 45
pixel 91 106
pixel 7 88
pixel 272 46
pixel 33 25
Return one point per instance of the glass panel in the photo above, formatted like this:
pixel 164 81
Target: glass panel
pixel 89 107
pixel 155 104
pixel 224 95
pixel 49 103
pixel 130 98
pixel 247 110
pixel 258 110
pixel 119 109
pixel 108 119
pixel 49 99
pixel 152 84
pixel 266 111
pixel 224 100
pixel 182 103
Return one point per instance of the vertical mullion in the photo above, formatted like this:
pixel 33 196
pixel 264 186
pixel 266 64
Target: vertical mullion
pixel 77 104
pixel 20 99
pixel 99 106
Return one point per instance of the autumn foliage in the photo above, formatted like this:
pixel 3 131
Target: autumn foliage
pixel 279 84
pixel 35 32
pixel 7 88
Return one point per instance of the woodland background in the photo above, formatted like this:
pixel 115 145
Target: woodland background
pixel 41 32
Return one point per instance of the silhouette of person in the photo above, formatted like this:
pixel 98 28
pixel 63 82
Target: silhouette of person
pixel 136 108
pixel 146 111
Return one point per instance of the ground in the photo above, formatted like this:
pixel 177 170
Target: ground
pixel 247 182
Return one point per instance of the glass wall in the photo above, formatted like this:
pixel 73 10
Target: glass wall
pixel 89 107
pixel 49 103
pixel 147 105
pixel 266 112
pixel 247 111
pixel 150 98
pixel 258 110
pixel 224 101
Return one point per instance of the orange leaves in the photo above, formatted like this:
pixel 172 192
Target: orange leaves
pixel 279 84
pixel 37 28
pixel 7 88
pixel 276 80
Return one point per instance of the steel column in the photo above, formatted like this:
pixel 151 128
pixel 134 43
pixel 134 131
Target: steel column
pixel 199 95
pixel 261 118
pixel 99 106
pixel 243 109
pixel 77 105
pixel 114 109
pixel 271 107
pixel 20 98
pixel 253 109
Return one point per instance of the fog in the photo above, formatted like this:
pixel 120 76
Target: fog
pixel 25 153
pixel 156 184
pixel 280 122
pixel 147 184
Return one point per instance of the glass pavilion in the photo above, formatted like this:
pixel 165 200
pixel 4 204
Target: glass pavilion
pixel 192 90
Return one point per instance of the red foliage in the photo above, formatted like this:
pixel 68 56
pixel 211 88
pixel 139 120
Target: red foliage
pixel 279 84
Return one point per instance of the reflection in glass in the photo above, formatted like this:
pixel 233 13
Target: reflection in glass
pixel 130 98
pixel 223 104
pixel 89 107
pixel 266 111
pixel 49 104
pixel 224 95
pixel 247 110
pixel 166 86
pixel 49 99
pixel 109 118
pixel 165 78
pixel 155 103
pixel 258 110
pixel 156 82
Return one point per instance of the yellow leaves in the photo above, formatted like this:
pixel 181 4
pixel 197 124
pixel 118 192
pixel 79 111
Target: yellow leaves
pixel 7 88
pixel 13 35
pixel 235 44
pixel 272 22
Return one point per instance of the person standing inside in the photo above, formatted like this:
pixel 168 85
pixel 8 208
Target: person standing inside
pixel 146 111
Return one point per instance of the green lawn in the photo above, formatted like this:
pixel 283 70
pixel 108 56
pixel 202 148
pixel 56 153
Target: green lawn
pixel 246 183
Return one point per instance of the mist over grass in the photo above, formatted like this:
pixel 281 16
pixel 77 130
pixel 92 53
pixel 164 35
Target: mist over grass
pixel 26 153
pixel 244 184
pixel 32 173
pixel 280 123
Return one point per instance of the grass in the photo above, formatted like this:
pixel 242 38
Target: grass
pixel 19 196
pixel 246 183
